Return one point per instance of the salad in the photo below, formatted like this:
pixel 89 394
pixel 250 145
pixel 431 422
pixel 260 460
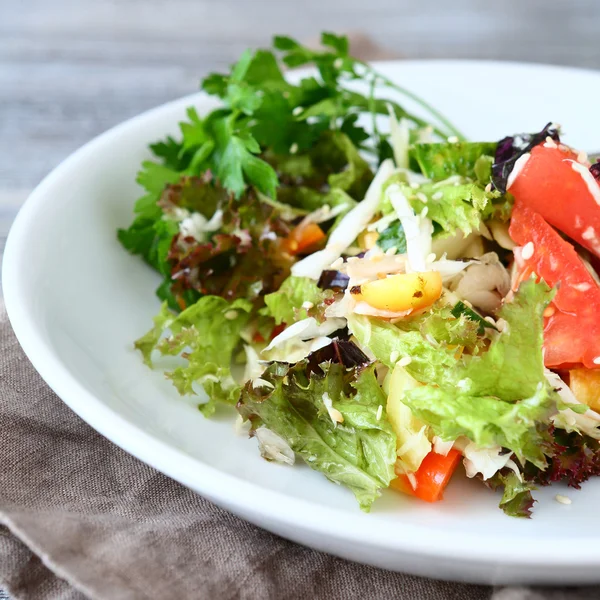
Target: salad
pixel 374 294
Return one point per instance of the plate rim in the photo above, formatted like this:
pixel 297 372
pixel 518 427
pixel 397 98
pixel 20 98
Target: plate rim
pixel 224 488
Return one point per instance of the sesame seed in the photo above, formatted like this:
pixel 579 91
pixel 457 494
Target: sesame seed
pixel 394 356
pixel 415 186
pixel 379 412
pixel 550 143
pixel 527 250
pixel 297 111
pixel 453 139
pixel 582 157
pixel 338 63
pixel 405 361
pixel 582 287
pixel 589 234
pixel 352 259
pixel 391 251
pixel 562 499
pixel 596 361
pixel 307 305
pixel 437 196
pixel 336 264
pixel 488 188
pixel 490 320
pixel 294 148
pixel 424 212
pixel 431 257
pixel 422 197
pixel 549 311
pixel 230 315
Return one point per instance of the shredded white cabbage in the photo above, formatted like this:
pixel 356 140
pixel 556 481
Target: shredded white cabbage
pixel 441 447
pixel 418 230
pixel 273 447
pixel 197 226
pixel 487 461
pixel 484 283
pixel 588 422
pixel 301 338
pixel 400 138
pixel 253 368
pixel 348 229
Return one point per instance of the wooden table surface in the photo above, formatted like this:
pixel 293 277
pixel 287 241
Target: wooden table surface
pixel 70 69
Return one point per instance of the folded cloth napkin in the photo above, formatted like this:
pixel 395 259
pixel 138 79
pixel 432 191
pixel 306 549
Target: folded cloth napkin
pixel 80 518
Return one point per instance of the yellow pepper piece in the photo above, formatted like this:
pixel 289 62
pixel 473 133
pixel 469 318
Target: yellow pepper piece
pixel 585 384
pixel 401 292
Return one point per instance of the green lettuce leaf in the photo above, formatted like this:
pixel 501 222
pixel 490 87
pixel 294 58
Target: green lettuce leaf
pixel 204 336
pixel 285 305
pixel 485 420
pixel 516 500
pixel 430 363
pixel 494 397
pixel 459 205
pixel 442 160
pixel 358 452
pixel 513 366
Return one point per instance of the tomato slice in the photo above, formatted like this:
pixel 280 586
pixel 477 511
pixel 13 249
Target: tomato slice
pixel 429 481
pixel 572 325
pixel 563 191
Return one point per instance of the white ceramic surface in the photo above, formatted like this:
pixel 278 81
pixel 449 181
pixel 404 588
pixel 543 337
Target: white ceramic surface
pixel 77 300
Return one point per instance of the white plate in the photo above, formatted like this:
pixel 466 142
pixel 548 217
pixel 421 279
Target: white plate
pixel 76 300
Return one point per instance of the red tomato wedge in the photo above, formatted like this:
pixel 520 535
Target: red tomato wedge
pixel 572 325
pixel 432 477
pixel 563 191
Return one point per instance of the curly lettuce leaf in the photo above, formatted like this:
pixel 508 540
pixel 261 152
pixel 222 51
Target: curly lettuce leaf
pixel 286 304
pixel 439 161
pixel 496 397
pixel 299 406
pixel 574 458
pixel 429 363
pixel 516 500
pixel 204 336
pixel 486 420
pixel 513 366
pixel 453 205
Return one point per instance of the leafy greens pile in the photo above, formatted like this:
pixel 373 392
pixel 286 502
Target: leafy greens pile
pixel 219 220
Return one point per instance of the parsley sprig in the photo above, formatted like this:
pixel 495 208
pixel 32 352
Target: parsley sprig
pixel 263 111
